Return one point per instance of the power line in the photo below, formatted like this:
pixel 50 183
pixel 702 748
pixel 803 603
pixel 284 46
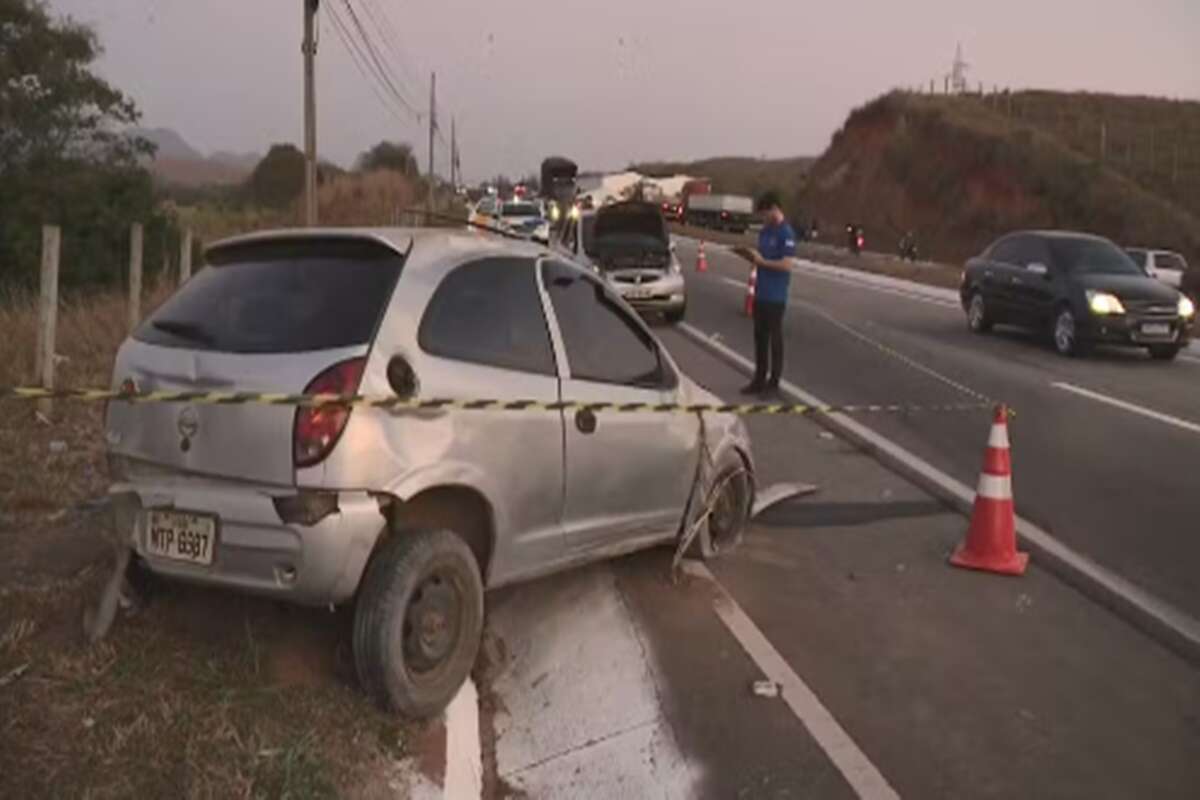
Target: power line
pixel 362 64
pixel 380 65
pixel 392 40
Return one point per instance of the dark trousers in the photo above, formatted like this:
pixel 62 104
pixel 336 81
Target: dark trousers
pixel 768 340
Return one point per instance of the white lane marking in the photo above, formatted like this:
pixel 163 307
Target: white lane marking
pixel 1162 615
pixel 885 284
pixel 464 760
pixel 867 781
pixel 732 282
pixel 896 354
pixel 1130 407
pixel 967 390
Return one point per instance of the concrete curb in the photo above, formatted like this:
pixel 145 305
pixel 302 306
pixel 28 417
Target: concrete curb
pixel 1161 621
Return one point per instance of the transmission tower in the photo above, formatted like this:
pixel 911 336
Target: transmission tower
pixel 958 72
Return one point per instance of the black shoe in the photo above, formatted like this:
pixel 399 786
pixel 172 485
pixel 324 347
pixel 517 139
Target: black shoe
pixel 753 387
pixel 770 389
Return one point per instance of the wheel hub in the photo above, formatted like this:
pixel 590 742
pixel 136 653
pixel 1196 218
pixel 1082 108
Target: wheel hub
pixel 431 623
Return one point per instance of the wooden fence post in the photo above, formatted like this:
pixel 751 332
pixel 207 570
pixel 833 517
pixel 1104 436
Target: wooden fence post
pixel 135 275
pixel 185 257
pixel 47 312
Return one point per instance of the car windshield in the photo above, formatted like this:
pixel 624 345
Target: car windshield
pixel 626 228
pixel 1092 257
pixel 521 210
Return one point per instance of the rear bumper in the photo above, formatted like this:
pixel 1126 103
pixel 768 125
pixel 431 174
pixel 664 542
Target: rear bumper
pixel 1129 330
pixel 255 550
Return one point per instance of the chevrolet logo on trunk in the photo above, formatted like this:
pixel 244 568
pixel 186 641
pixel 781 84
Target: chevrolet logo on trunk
pixel 188 425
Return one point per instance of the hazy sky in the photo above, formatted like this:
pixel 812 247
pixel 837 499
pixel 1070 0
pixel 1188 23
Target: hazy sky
pixel 611 81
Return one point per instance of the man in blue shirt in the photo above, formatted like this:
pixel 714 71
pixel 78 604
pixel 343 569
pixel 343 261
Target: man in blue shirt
pixel 776 246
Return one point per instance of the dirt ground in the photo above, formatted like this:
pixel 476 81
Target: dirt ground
pixel 195 693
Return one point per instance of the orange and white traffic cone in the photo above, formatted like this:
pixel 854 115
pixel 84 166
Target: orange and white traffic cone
pixel 991 543
pixel 701 259
pixel 749 308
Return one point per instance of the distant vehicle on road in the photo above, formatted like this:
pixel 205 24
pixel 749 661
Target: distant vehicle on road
pixel 1081 288
pixel 628 245
pixel 726 212
pixel 408 516
pixel 855 238
pixel 1163 265
pixel 525 218
pixel 672 211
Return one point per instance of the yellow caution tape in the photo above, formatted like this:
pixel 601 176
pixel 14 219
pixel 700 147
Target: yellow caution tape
pixel 436 404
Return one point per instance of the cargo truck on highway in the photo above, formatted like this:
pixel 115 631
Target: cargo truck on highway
pixel 727 212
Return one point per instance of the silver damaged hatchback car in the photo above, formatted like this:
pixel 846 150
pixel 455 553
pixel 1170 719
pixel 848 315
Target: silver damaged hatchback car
pixel 408 514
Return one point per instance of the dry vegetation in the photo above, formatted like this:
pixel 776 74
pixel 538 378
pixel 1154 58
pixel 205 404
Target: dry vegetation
pixel 196 694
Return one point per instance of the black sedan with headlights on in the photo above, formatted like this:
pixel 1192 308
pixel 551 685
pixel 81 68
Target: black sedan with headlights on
pixel 1080 288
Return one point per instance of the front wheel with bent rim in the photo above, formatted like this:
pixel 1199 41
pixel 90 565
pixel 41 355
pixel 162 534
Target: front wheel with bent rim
pixel 418 621
pixel 1066 334
pixel 978 318
pixel 1164 352
pixel 731 496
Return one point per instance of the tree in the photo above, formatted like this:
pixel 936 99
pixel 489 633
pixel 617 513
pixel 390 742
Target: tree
pixel 396 156
pixel 64 158
pixel 278 179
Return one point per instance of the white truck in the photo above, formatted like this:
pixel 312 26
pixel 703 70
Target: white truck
pixel 1164 265
pixel 729 212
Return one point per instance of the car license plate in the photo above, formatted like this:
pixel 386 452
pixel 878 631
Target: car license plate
pixel 180 536
pixel 638 294
pixel 1156 329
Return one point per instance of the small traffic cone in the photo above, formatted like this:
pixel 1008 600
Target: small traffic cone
pixel 701 259
pixel 991 542
pixel 749 309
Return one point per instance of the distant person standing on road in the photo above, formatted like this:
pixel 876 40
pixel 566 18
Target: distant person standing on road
pixel 776 246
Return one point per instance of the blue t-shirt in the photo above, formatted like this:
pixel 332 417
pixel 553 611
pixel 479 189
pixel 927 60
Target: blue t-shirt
pixel 774 242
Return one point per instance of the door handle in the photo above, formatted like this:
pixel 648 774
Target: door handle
pixel 585 420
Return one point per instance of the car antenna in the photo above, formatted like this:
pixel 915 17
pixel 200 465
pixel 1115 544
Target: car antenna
pixel 470 223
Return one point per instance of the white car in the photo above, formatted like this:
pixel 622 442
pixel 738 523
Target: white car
pixel 1162 265
pixel 524 217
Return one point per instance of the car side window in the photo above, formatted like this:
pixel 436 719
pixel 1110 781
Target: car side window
pixel 1035 251
pixel 604 342
pixel 1006 251
pixel 1139 258
pixel 490 312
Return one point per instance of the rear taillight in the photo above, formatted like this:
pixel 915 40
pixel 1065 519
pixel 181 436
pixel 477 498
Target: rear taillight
pixel 317 430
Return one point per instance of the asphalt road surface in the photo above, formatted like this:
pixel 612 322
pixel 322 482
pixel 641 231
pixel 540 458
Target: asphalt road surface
pixel 899 675
pixel 1117 483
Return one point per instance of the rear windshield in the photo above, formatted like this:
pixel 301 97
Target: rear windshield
pixel 289 297
pixel 1170 261
pixel 1092 256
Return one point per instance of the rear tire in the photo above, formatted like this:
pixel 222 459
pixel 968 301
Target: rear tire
pixel 1164 352
pixel 418 621
pixel 978 318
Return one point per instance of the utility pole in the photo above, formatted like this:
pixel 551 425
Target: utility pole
pixel 432 130
pixel 309 49
pixel 1103 140
pixel 454 152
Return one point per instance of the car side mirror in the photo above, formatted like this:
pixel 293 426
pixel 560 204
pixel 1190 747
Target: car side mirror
pixel 1037 268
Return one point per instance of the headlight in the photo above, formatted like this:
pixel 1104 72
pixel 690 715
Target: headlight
pixel 1104 303
pixel 1187 309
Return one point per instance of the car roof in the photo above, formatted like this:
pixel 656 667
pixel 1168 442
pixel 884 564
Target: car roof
pixel 1058 234
pixel 463 241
